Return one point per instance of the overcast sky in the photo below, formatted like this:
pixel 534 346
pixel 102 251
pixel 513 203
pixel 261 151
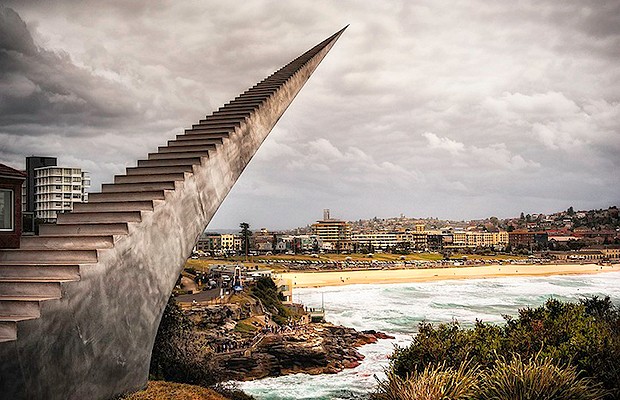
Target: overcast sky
pixel 450 109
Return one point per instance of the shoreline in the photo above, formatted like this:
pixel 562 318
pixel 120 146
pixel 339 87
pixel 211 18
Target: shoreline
pixel 313 279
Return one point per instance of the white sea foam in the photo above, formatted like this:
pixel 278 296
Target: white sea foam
pixel 398 308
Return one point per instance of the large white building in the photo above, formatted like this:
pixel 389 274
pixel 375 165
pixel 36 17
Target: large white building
pixel 57 189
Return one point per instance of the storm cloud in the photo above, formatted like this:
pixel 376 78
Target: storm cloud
pixel 455 110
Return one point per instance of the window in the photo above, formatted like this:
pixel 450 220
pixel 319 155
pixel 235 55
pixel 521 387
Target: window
pixel 6 210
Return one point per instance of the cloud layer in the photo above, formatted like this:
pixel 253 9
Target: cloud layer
pixel 460 110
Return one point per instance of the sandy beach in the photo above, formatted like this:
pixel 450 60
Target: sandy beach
pixel 338 278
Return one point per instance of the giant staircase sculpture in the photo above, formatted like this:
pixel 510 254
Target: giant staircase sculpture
pixel 80 304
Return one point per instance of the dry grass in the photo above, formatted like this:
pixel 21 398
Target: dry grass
pixel 537 379
pixel 434 383
pixel 159 390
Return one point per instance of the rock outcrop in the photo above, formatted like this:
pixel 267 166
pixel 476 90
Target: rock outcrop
pixel 312 349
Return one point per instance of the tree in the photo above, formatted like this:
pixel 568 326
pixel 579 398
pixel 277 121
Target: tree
pixel 246 233
pixel 570 211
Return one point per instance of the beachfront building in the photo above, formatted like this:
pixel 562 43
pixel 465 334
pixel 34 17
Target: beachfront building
pixel 306 243
pixel 262 241
pixel 460 239
pixel 376 240
pixel 208 243
pixel 527 240
pixel 335 234
pixel 416 240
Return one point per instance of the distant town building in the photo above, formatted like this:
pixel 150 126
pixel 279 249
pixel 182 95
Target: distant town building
pixel 334 233
pixel 56 189
pixel 209 243
pixel 32 163
pixel 376 240
pixel 527 240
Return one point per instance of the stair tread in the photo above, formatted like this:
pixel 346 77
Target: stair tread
pixel 51 279
pixel 16 318
pixel 28 298
pixel 34 264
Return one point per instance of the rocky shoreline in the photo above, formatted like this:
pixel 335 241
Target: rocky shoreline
pixel 318 348
pixel 245 345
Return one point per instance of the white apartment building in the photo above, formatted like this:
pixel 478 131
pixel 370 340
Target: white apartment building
pixel 57 189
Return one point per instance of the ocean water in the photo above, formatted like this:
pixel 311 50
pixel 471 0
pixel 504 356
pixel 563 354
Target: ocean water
pixel 397 309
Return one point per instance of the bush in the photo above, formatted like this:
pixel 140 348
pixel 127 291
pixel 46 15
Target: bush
pixel 433 383
pixel 538 379
pixel 584 335
pixel 179 355
pixel 268 293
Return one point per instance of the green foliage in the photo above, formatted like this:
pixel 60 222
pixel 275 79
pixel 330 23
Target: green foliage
pixel 268 293
pixel 245 327
pixel 584 335
pixel 246 234
pixel 178 354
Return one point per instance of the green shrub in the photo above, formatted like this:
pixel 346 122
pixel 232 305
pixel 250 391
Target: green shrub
pixel 268 293
pixel 584 335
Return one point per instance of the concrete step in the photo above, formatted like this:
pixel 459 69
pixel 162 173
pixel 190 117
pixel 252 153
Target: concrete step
pixel 226 125
pixel 208 131
pixel 191 135
pixel 228 114
pixel 253 96
pixel 48 256
pixel 273 81
pixel 217 120
pixel 150 178
pixel 114 206
pixel 136 187
pixel 198 142
pixel 111 217
pixel 244 102
pixel 67 242
pixel 37 272
pixel 20 308
pixel 29 290
pixel 15 318
pixel 262 90
pixel 177 156
pixel 126 196
pixel 239 107
pixel 166 163
pixel 173 169
pixel 84 229
pixel 189 147
pixel 8 331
